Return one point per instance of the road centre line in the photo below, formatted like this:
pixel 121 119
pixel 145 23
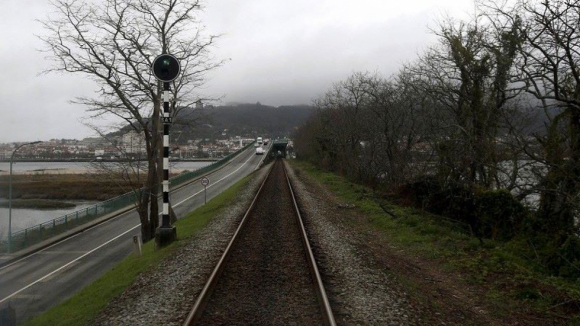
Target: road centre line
pixel 77 234
pixel 213 184
pixel 68 264
pixel 106 243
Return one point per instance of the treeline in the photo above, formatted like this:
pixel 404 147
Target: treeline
pixel 483 127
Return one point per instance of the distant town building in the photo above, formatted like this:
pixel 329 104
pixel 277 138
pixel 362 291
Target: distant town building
pixel 133 143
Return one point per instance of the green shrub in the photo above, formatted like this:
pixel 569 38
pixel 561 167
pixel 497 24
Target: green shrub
pixel 493 214
pixel 500 215
pixel 566 261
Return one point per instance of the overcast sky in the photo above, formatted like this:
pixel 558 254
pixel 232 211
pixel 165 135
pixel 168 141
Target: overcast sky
pixel 280 53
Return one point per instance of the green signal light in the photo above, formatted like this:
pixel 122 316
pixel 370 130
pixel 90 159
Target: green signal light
pixel 165 67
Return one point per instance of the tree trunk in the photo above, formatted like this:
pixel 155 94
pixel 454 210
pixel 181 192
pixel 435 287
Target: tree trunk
pixel 142 209
pixel 561 186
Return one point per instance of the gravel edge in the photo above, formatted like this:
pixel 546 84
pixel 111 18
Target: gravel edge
pixel 165 295
pixel 362 291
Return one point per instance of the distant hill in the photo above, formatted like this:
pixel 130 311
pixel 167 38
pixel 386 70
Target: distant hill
pixel 247 120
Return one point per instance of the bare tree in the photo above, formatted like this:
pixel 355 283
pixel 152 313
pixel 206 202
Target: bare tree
pixel 468 76
pixel 114 43
pixel 549 67
pixel 366 127
pixel 400 114
pixel 340 111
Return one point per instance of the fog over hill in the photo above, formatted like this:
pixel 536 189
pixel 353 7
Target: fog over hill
pixel 246 120
pixel 253 120
pixel 225 121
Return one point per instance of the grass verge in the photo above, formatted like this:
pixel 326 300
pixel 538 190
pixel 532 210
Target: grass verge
pixel 89 302
pixel 510 282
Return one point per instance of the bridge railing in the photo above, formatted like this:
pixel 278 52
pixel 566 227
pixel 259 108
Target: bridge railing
pixel 40 232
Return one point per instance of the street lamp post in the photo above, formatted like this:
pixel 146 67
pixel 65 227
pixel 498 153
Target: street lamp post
pixel 10 194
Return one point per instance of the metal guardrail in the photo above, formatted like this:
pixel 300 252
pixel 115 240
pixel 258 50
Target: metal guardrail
pixel 35 234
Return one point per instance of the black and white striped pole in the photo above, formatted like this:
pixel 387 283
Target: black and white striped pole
pixel 166 68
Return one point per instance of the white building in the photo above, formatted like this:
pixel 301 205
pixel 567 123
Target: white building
pixel 133 143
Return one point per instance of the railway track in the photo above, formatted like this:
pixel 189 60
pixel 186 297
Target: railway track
pixel 267 274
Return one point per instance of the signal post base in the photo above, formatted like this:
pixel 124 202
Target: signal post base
pixel 165 236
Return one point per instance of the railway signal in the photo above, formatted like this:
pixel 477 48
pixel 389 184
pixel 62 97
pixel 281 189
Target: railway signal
pixel 166 68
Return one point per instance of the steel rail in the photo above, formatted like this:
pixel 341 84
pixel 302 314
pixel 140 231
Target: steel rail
pixel 320 291
pixel 203 298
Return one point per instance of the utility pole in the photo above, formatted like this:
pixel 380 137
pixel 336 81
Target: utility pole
pixel 10 194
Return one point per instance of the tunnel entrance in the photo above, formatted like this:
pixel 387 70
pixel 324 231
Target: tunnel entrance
pixel 279 148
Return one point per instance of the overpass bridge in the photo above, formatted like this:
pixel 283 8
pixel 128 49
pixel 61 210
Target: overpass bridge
pixel 278 148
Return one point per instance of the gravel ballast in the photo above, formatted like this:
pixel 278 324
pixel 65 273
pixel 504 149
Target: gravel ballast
pixel 361 289
pixel 166 295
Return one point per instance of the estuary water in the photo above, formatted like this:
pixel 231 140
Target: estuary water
pixel 80 167
pixel 25 218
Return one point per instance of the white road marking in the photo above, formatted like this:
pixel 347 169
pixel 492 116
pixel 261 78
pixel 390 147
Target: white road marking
pixel 68 264
pixel 106 243
pixel 214 183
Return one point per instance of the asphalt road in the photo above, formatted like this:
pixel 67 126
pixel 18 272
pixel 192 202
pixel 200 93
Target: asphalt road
pixel 35 283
